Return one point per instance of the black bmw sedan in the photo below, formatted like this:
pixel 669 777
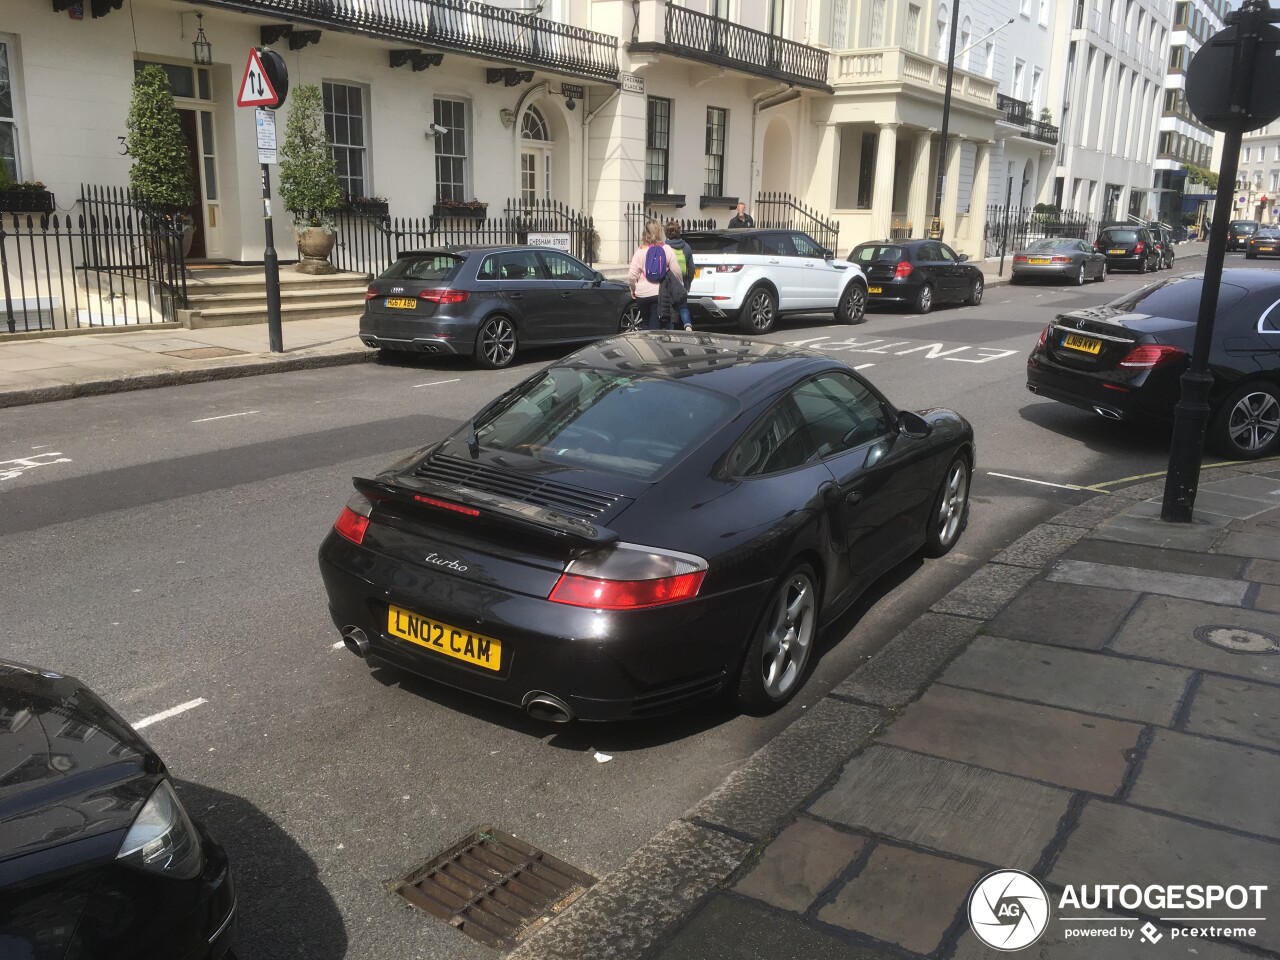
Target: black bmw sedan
pixel 917 274
pixel 655 519
pixel 1123 360
pixel 488 302
pixel 98 858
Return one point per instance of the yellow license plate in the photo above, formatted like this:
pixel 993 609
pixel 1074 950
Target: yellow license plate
pixel 1266 249
pixel 1038 260
pixel 402 303
pixel 1117 253
pixel 875 290
pixel 1074 341
pixel 443 639
pixel 697 272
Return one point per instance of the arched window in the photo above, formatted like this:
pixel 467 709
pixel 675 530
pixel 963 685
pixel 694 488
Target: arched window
pixel 534 126
pixel 966 32
pixel 535 157
pixel 943 20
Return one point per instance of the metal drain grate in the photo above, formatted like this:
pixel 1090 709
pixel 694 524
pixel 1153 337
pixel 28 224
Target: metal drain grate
pixel 493 887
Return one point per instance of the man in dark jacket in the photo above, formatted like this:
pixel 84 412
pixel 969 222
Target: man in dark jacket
pixel 742 219
pixel 684 254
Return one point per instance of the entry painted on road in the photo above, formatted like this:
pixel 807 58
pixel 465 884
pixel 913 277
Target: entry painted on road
pixel 11 469
pixel 900 348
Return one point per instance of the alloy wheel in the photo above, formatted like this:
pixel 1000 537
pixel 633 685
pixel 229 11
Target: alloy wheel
pixel 954 498
pixel 854 307
pixel 789 635
pixel 1080 278
pixel 924 300
pixel 498 342
pixel 760 310
pixel 1254 421
pixel 632 319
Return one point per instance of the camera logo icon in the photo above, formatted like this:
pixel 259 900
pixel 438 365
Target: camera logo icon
pixel 1008 910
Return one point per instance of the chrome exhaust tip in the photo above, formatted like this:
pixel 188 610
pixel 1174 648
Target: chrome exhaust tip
pixel 1104 412
pixel 355 640
pixel 543 706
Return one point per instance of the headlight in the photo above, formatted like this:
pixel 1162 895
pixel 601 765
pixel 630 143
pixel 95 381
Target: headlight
pixel 163 838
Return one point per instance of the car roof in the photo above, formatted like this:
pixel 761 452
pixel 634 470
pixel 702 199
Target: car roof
pixel 1249 278
pixel 466 251
pixel 737 231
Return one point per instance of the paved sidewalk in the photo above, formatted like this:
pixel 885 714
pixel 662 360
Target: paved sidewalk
pixel 1100 704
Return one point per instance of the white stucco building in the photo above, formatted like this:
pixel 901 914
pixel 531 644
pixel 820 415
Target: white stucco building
pixel 1258 177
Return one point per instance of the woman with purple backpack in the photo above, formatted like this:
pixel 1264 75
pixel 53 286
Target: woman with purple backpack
pixel 649 265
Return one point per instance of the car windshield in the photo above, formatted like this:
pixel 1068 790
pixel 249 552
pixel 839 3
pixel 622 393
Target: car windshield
pixel 1050 245
pixel 711 243
pixel 1118 236
pixel 606 420
pixel 1177 298
pixel 1244 226
pixel 877 251
pixel 433 266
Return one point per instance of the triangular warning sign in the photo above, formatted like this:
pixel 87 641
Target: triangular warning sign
pixel 255 87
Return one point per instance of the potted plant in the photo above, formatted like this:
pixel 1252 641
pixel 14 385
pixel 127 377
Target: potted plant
pixel 1046 115
pixel 27 196
pixel 472 209
pixel 161 173
pixel 372 206
pixel 309 187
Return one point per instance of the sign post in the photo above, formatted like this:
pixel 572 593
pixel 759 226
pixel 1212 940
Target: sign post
pixel 1247 54
pixel 264 86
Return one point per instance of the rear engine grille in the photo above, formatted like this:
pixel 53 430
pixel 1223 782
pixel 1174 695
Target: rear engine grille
pixel 494 888
pixel 560 497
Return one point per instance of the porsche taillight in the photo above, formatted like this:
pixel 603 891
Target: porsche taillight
pixel 629 577
pixel 353 521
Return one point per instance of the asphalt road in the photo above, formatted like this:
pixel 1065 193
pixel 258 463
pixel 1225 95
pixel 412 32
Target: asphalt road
pixel 162 548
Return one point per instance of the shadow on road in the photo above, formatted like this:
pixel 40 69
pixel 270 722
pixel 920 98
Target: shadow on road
pixel 1124 441
pixel 283 908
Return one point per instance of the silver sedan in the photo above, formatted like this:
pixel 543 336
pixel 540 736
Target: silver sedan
pixel 1061 259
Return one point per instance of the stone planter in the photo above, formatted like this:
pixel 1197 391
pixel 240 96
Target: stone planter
pixel 314 246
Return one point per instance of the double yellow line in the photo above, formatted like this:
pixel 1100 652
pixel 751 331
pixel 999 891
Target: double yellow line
pixel 1102 487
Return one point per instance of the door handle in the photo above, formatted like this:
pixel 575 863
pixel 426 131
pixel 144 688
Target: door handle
pixel 515 296
pixel 774 261
pixel 565 295
pixel 853 498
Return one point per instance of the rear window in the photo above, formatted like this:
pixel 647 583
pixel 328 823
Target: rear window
pixel 441 266
pixel 877 251
pixel 1118 236
pixel 711 243
pixel 1177 298
pixel 1244 226
pixel 1268 233
pixel 605 420
pixel 1054 245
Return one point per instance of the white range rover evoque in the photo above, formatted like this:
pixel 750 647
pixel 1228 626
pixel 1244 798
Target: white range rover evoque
pixel 754 276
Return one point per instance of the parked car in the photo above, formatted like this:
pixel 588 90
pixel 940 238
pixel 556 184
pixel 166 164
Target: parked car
pixel 1239 232
pixel 98 858
pixel 488 302
pixel 1128 247
pixel 1124 360
pixel 754 276
pixel 918 273
pixel 1264 243
pixel 543 555
pixel 1163 238
pixel 1064 259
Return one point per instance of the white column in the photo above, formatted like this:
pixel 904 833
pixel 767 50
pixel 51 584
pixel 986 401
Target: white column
pixel 882 195
pixel 951 189
pixel 919 195
pixel 978 199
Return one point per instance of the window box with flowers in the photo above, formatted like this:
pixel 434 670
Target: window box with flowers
pixel 371 206
pixel 26 197
pixel 461 209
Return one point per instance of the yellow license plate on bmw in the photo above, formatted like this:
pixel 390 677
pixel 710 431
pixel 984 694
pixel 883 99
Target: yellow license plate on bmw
pixel 1073 341
pixel 402 303
pixel 1117 253
pixel 444 639
pixel 875 290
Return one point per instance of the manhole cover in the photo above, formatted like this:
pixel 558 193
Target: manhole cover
pixel 203 353
pixel 1238 639
pixel 493 887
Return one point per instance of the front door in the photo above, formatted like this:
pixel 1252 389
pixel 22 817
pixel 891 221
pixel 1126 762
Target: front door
pixel 196 211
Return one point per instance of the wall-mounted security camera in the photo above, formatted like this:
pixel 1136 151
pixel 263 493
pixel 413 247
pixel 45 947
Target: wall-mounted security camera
pixel 438 131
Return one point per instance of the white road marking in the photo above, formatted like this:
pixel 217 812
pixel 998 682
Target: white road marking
pixel 227 416
pixel 9 469
pixel 801 343
pixel 1043 483
pixel 435 383
pixel 863 366
pixel 166 714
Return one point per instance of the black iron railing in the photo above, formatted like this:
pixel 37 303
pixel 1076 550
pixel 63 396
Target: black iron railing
pixel 700 36
pixel 1008 231
pixel 466 27
pixel 784 212
pixel 1018 112
pixel 1041 131
pixel 636 215
pixel 370 244
pixel 1015 111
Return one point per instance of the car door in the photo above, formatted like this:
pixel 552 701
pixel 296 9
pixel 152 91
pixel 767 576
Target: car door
pixel 586 308
pixel 956 271
pixel 929 262
pixel 1097 261
pixel 824 279
pixel 784 269
pixel 531 296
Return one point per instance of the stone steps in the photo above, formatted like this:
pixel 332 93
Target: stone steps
pixel 237 296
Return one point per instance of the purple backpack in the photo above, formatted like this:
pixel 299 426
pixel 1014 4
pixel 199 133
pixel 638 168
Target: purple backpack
pixel 655 263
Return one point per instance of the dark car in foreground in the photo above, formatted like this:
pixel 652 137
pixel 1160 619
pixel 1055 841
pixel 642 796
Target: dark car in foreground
pixel 1264 243
pixel 488 302
pixel 653 520
pixel 1124 360
pixel 1239 232
pixel 98 858
pixel 1061 259
pixel 917 274
pixel 1129 248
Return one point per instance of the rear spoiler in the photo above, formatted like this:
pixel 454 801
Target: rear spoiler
pixel 532 519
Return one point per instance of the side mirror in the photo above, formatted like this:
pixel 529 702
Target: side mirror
pixel 598 278
pixel 962 257
pixel 828 254
pixel 913 425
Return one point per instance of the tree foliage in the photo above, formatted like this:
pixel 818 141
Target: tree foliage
pixel 309 186
pixel 1201 175
pixel 161 171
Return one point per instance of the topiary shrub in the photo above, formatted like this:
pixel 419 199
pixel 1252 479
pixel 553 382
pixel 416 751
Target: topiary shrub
pixel 309 187
pixel 161 171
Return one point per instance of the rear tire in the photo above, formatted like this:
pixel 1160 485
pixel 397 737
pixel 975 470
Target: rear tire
pixel 1142 266
pixel 924 299
pixel 1247 425
pixel 950 513
pixel 632 318
pixel 1102 272
pixel 496 343
pixel 759 311
pixel 1250 256
pixel 780 652
pixel 853 304
pixel 1080 276
pixel 975 293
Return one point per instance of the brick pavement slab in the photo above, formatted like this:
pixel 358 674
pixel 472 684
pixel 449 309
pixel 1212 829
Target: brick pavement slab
pixel 1074 679
pixel 1092 512
pixel 1154 558
pixel 1073 750
pixel 1229 505
pixel 799 864
pixel 1039 546
pixel 1064 614
pixel 1255 487
pixel 1153 532
pixel 1237 710
pixel 1262 571
pixel 904 897
pixel 1267 598
pixel 1164 628
pixel 1258 544
pixel 1220 783
pixel 1189 586
pixel 897 673
pixel 986 591
pixel 946 806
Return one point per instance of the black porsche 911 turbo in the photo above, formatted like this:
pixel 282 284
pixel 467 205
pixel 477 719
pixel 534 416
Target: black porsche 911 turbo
pixel 654 519
pixel 98 858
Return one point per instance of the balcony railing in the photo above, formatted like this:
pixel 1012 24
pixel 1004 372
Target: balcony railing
pixel 1017 112
pixel 466 27
pixel 699 36
pixel 1039 130
pixel 854 68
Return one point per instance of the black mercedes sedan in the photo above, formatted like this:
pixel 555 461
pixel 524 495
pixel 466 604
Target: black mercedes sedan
pixel 488 302
pixel 98 858
pixel 655 519
pixel 1123 360
pixel 917 274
